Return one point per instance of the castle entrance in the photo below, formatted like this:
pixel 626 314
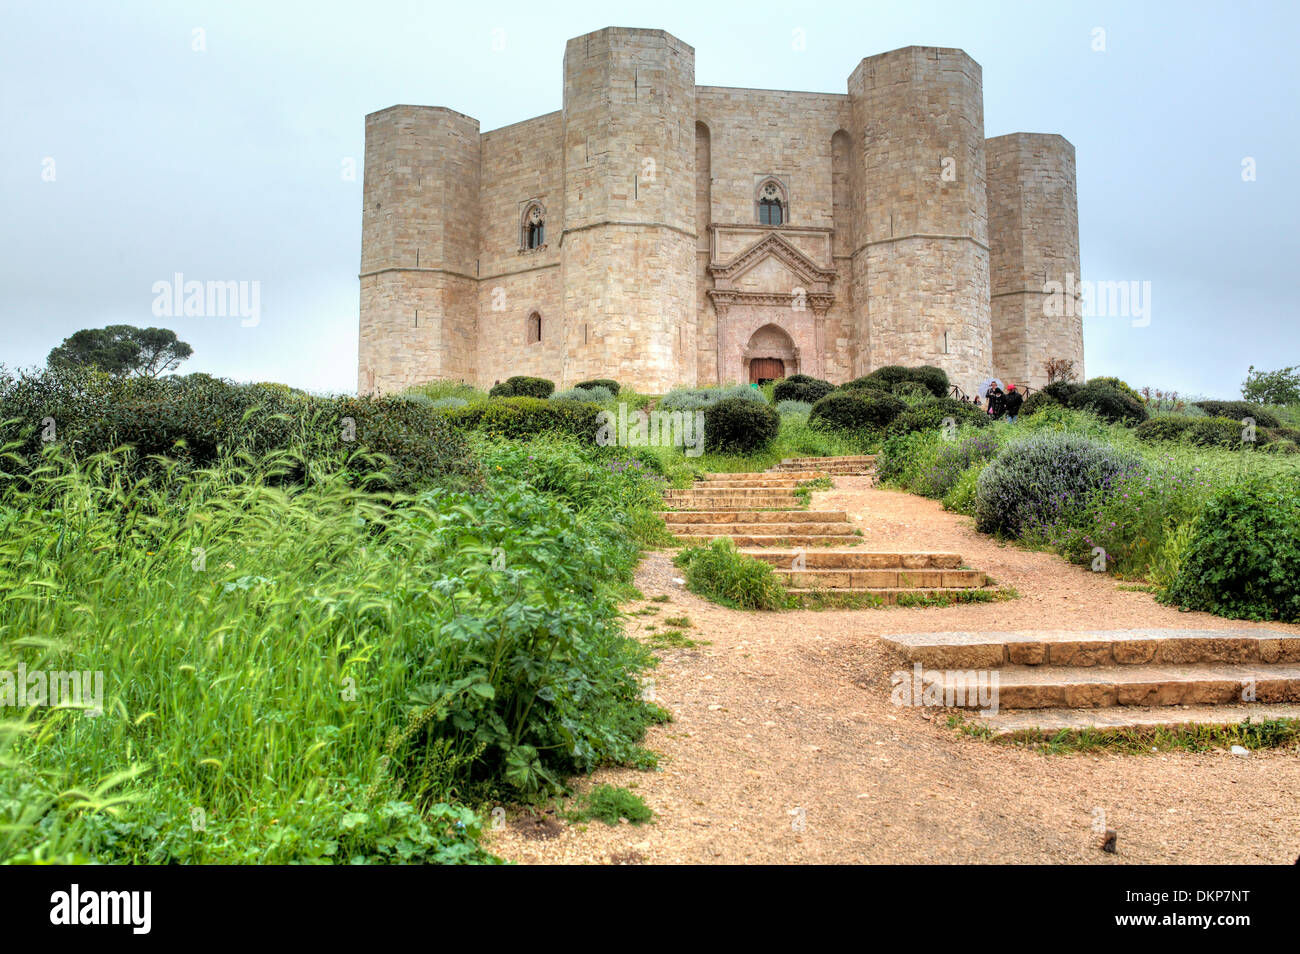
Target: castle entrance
pixel 765 369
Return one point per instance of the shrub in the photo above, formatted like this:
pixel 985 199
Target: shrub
pixel 960 497
pixel 935 380
pixel 447 402
pixel 1214 432
pixel 801 387
pixel 523 386
pixel 866 383
pixel 1117 385
pixel 1037 480
pixel 523 417
pixel 951 460
pixel 737 425
pixel 793 407
pixel 1062 391
pixel 911 393
pixel 696 399
pixel 1164 428
pixel 854 410
pixel 597 395
pixel 1243 558
pixel 609 385
pixel 1036 402
pixel 197 420
pixel 437 390
pixel 1109 403
pixel 932 415
pixel 1237 410
pixel 721 573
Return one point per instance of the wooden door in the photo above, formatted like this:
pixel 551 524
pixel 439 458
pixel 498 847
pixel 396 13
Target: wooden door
pixel 766 369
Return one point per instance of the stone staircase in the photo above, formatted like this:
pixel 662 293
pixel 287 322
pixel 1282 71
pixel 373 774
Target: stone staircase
pixel 755 510
pixel 878 578
pixel 1053 680
pixel 855 466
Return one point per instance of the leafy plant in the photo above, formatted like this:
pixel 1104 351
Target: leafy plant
pixel 801 387
pixel 721 573
pixel 609 804
pixel 736 425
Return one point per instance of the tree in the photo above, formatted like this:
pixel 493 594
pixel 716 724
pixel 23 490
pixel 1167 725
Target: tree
pixel 1058 369
pixel 1272 387
pixel 121 350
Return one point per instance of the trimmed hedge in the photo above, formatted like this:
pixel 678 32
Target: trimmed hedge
pixel 1036 402
pixel 1238 410
pixel 606 383
pixel 523 417
pixel 737 425
pixel 1217 432
pixel 1109 403
pixel 855 410
pixel 932 415
pixel 935 380
pixel 523 386
pixel 801 387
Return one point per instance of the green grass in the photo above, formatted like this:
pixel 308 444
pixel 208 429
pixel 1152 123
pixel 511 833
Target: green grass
pixel 722 574
pixel 1270 733
pixel 609 804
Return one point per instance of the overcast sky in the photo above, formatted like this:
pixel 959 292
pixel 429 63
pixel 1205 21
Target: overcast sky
pixel 134 148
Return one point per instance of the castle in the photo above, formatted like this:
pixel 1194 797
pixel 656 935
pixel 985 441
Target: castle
pixel 666 234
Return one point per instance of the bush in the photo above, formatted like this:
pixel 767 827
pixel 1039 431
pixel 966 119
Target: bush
pixel 609 385
pixel 935 380
pixel 1237 410
pixel 793 407
pixel 737 425
pixel 1062 391
pixel 1243 558
pixel 960 497
pixel 523 386
pixel 801 387
pixel 951 460
pixel 932 415
pixel 448 402
pixel 1118 385
pixel 523 417
pixel 597 395
pixel 1167 427
pixel 1214 432
pixel 437 390
pixel 911 393
pixel 1036 402
pixel 854 410
pixel 866 383
pixel 1109 403
pixel 1037 480
pixel 696 399
pixel 197 420
pixel 721 573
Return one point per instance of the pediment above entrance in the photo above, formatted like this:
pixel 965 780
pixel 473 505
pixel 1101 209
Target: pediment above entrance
pixel 770 269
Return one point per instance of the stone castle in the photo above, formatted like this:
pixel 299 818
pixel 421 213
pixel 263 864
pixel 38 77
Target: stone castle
pixel 666 234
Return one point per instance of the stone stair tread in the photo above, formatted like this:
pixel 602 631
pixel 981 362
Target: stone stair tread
pixel 975 638
pixel 1052 721
pixel 1010 676
pixel 807 516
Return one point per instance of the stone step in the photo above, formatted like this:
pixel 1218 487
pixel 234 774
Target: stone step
pixel 1049 723
pixel 797 475
pixel 844 530
pixel 1101 648
pixel 819 462
pixel 704 492
pixel 767 483
pixel 775 540
pixel 880 596
pixel 782 505
pixel 676 517
pixel 862 560
pixel 881 579
pixel 1045 687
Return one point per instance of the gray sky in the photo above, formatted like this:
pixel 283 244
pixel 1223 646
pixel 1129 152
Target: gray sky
pixel 128 156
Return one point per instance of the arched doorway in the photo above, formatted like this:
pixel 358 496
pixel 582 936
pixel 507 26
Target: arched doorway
pixel 766 369
pixel 770 355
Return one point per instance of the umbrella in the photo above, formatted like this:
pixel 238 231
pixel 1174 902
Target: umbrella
pixel 988 383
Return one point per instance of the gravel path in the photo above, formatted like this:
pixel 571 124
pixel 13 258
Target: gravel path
pixel 784 746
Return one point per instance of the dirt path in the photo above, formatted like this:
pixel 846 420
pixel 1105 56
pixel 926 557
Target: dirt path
pixel 784 746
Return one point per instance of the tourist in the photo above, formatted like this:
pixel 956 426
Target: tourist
pixel 996 402
pixel 1012 403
